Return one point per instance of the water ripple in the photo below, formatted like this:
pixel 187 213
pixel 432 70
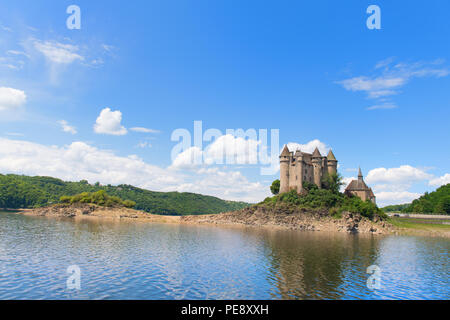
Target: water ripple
pixel 157 261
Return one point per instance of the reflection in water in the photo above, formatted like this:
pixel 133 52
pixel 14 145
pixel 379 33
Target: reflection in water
pixel 308 265
pixel 121 260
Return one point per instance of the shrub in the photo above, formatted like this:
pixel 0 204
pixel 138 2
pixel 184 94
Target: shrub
pixel 275 187
pixel 100 198
pixel 65 199
pixel 334 202
pixel 129 203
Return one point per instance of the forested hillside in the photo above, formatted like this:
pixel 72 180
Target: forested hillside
pixel 434 202
pixel 28 192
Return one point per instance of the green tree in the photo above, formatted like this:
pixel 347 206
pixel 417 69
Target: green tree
pixel 333 182
pixel 129 203
pixel 445 205
pixel 275 187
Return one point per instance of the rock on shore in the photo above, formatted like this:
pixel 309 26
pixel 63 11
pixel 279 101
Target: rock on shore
pixel 296 219
pixel 92 210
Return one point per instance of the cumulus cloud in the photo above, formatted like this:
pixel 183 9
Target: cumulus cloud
pixel 143 130
pixel 402 175
pixel 226 149
pixel 11 98
pixel 109 122
pixel 66 127
pixel 392 185
pixel 385 198
pixel 232 150
pixel 80 160
pixel 57 52
pixel 309 147
pixel 226 185
pixel 437 182
pixel 190 158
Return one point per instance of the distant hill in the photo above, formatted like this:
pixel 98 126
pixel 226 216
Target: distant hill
pixel 396 207
pixel 430 203
pixel 29 192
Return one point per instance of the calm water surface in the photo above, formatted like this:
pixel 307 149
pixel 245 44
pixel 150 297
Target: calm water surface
pixel 120 260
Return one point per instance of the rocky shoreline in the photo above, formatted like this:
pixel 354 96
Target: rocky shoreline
pixel 256 216
pixel 295 219
pixel 95 211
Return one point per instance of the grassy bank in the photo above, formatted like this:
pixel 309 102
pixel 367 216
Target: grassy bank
pixel 421 226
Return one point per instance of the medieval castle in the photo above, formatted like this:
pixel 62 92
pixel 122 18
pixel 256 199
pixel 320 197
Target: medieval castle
pixel 298 167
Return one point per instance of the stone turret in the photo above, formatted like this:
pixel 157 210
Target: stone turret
pixel 317 167
pixel 285 159
pixel 332 163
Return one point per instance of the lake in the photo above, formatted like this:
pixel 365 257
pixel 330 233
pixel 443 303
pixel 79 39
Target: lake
pixel 126 260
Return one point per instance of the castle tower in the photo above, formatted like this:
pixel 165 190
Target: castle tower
pixel 298 171
pixel 317 167
pixel 285 159
pixel 332 163
pixel 360 176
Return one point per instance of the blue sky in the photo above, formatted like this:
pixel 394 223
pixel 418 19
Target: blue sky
pixel 312 69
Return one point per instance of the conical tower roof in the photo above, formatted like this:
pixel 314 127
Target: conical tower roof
pixel 285 151
pixel 331 156
pixel 316 153
pixel 360 173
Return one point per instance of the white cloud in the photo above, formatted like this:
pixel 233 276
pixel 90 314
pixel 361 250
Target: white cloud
pixel 80 160
pixel 66 127
pixel 384 63
pixel 144 130
pixel 58 53
pixel 17 53
pixel 231 185
pixel 437 182
pixel 404 174
pixel 232 150
pixel 391 186
pixel 383 106
pixel 372 85
pixel 11 98
pixel 395 197
pixel 109 122
pixel 6 28
pixel 143 145
pixel 346 181
pixel 309 147
pixel 190 158
pixel 226 149
pixel 15 134
pixel 107 48
pixel 390 78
